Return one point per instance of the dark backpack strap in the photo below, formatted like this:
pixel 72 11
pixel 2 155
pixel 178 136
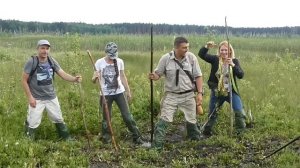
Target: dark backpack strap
pixel 34 66
pixel 50 61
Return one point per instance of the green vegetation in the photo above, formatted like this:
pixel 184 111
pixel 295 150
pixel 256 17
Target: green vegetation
pixel 270 89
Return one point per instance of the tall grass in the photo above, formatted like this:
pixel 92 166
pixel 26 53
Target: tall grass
pixel 269 89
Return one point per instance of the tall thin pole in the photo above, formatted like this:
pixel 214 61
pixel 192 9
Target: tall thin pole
pixel 295 139
pixel 151 86
pixel 104 104
pixel 230 85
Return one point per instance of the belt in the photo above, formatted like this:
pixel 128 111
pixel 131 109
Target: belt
pixel 187 91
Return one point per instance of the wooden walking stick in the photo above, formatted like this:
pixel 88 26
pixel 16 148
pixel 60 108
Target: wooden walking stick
pixel 230 86
pixel 151 86
pixel 104 104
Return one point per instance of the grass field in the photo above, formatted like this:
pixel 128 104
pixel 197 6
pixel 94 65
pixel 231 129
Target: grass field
pixel 270 89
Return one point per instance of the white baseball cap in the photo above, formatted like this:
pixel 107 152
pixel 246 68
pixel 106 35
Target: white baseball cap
pixel 43 42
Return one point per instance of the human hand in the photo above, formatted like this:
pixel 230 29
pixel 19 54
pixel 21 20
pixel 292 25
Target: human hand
pixel 32 102
pixel 153 76
pixel 129 97
pixel 230 62
pixel 78 78
pixel 96 75
pixel 210 44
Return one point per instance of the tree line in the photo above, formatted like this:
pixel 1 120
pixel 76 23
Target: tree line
pixel 15 26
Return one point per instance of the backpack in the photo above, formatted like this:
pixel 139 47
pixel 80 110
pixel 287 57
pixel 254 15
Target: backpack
pixel 35 64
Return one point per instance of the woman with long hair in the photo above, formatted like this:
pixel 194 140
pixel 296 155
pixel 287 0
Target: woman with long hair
pixel 110 70
pixel 225 68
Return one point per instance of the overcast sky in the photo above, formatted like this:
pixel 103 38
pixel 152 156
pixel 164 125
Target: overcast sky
pixel 240 13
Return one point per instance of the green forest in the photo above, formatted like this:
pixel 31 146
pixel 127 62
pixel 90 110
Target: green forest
pixel 19 27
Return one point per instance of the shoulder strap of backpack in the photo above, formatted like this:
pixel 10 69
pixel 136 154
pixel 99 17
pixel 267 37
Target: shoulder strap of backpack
pixel 51 63
pixel 34 65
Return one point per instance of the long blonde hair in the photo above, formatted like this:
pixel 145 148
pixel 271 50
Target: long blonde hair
pixel 225 43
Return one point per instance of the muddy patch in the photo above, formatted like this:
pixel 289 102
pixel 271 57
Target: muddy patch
pixel 98 164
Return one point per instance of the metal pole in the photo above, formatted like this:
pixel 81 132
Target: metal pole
pixel 151 86
pixel 215 110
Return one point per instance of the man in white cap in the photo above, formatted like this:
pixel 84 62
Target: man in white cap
pixel 37 81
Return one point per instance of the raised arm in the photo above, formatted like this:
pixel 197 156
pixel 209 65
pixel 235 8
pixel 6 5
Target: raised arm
pixel 203 52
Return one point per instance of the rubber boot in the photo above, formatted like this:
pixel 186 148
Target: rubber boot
pixel 210 123
pixel 106 136
pixel 62 131
pixel 240 122
pixel 159 134
pixel 193 132
pixel 29 132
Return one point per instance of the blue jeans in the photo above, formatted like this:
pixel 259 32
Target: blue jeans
pixel 126 115
pixel 236 101
pixel 216 103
